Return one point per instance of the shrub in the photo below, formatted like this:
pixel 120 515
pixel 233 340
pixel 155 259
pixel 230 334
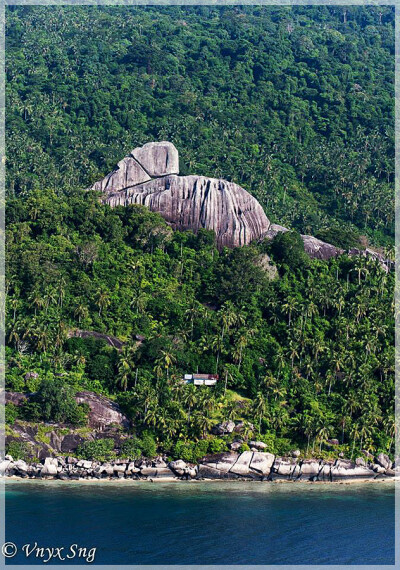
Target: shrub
pixel 283 446
pixel 97 450
pixel 42 434
pixel 200 449
pixel 270 439
pixel 288 248
pixel 100 368
pixel 149 446
pixel 18 450
pixel 11 413
pixel 78 415
pixel 184 450
pixel 131 448
pixel 244 447
pixel 31 411
pixel 56 402
pixel 217 445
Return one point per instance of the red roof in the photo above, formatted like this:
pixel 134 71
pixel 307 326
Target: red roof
pixel 205 376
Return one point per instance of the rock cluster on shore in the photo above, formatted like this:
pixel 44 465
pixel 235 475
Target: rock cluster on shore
pixel 249 465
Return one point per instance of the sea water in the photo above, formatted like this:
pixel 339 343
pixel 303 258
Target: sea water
pixel 129 522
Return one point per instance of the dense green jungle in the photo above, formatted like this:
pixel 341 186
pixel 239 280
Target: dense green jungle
pixel 295 104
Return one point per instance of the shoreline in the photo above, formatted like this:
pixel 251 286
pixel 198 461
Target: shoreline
pixel 245 466
pixel 349 481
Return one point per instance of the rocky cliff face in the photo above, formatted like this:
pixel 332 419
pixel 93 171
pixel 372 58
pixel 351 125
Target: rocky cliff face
pixel 149 176
pixel 105 420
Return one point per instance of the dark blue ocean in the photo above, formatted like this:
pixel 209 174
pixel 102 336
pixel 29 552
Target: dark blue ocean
pixel 203 522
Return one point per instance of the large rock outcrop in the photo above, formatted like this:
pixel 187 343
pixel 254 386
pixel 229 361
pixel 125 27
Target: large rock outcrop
pixel 149 176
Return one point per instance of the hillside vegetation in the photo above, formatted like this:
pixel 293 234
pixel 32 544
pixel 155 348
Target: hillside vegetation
pixel 294 104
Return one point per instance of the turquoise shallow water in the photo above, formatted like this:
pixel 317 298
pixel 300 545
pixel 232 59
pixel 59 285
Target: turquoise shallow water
pixel 205 523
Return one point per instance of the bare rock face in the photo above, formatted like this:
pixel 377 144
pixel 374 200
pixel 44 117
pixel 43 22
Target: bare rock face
pixel 274 230
pixel 16 398
pixel 103 412
pixel 386 264
pixel 149 177
pixel 195 202
pixel 158 159
pixel 127 173
pixel 314 247
pixel 319 249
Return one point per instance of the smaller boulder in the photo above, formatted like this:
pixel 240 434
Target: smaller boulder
pixel 131 467
pixel 51 461
pixel 384 461
pixel 223 428
pixel 21 465
pixel 107 469
pixel 84 464
pixel 178 467
pixel 361 462
pixel 72 460
pixel 239 427
pixel 158 158
pixel 148 472
pixel 49 469
pixel 4 466
pixel 258 444
pixel 31 375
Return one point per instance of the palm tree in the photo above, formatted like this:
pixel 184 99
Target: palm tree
pixel 360 267
pixel 390 426
pixel 217 345
pixel 36 300
pixel 126 364
pixel 323 435
pixel 293 352
pixel 365 431
pixel 289 308
pixel 14 303
pixel 228 317
pixel 190 399
pixel 166 360
pixel 355 434
pixel 139 301
pixel 228 374
pixel 122 380
pixel 248 430
pixel 241 343
pixel 15 333
pixel 259 408
pixel 81 311
pixel 151 416
pixel 308 429
pixel 103 299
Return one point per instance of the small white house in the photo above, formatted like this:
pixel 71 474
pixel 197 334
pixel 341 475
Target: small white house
pixel 201 379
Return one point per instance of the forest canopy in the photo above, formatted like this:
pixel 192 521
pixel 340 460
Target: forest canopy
pixel 295 104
